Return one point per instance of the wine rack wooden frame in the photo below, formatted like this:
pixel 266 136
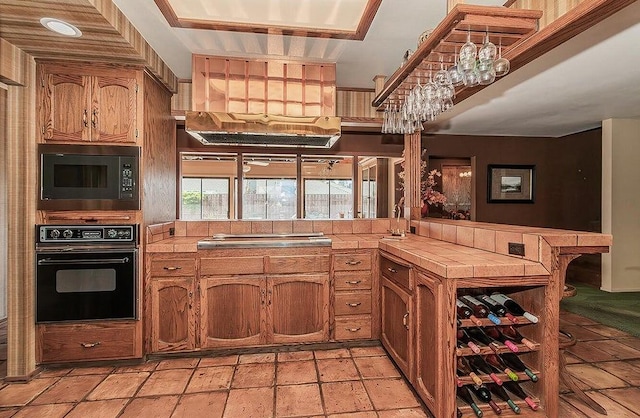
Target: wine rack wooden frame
pixel 435 313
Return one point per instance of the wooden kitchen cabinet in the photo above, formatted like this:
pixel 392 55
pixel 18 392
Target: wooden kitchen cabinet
pixel 397 325
pixel 172 314
pixel 232 311
pixel 355 308
pixel 298 308
pixel 78 103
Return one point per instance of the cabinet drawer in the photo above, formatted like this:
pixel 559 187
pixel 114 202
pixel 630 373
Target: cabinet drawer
pixel 348 262
pixel 298 264
pixel 173 267
pixel 353 328
pixel 231 265
pixel 353 303
pixel 79 342
pixel 352 280
pixel 397 273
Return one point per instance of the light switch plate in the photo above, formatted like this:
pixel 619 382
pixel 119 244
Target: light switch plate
pixel 516 248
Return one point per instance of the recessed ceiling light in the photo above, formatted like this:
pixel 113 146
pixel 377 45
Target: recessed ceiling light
pixel 61 27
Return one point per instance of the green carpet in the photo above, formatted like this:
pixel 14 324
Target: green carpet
pixel 617 310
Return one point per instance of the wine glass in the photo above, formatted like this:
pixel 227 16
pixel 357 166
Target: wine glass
pixel 454 75
pixel 442 76
pixel 486 72
pixel 472 78
pixel 487 51
pixel 467 56
pixel 501 65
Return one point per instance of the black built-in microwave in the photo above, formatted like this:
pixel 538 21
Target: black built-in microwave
pixel 89 177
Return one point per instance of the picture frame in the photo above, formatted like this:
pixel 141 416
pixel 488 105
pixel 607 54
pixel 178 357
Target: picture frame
pixel 510 183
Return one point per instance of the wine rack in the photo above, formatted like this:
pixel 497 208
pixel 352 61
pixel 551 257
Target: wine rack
pixel 532 299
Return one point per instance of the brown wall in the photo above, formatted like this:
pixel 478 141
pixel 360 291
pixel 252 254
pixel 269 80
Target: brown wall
pixel 567 189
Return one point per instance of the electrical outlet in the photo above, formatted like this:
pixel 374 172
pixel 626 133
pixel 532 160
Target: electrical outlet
pixel 516 248
pixel 412 229
pixel 172 231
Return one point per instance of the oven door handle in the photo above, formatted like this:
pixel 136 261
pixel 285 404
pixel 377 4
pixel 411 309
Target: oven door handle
pixel 50 262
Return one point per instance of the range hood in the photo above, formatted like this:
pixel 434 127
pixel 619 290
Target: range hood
pixel 217 128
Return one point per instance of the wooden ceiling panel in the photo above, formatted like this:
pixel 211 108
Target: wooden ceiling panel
pixel 107 36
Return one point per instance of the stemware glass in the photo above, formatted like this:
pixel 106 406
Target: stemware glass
pixel 487 51
pixel 442 76
pixel 486 72
pixel 454 75
pixel 501 65
pixel 467 55
pixel 472 78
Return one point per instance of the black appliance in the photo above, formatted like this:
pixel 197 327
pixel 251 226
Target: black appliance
pixel 88 177
pixel 86 272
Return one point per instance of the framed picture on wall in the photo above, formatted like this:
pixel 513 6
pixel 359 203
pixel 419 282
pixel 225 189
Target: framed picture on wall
pixel 510 183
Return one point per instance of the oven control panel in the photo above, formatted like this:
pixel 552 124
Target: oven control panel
pixel 86 233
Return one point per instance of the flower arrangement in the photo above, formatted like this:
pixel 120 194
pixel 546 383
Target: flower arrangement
pixel 429 194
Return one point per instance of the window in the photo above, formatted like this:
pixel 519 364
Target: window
pixel 269 187
pixel 205 198
pixel 269 199
pixel 368 191
pixel 328 199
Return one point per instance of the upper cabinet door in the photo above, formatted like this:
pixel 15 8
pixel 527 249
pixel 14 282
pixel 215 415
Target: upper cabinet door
pixel 65 107
pixel 113 109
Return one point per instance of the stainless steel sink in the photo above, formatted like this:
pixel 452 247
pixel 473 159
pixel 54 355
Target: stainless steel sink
pixel 314 239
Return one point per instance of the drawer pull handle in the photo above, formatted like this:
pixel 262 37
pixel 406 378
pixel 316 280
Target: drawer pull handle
pixel 90 345
pixel 172 268
pixel 405 321
pixel 354 262
pixel 353 329
pixel 354 305
pixel 353 281
pixel 392 270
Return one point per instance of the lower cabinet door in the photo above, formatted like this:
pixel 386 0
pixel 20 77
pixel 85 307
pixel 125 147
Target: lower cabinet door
pixel 298 308
pixel 232 311
pixel 172 314
pixel 397 327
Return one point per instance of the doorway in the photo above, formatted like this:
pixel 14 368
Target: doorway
pixel 456 183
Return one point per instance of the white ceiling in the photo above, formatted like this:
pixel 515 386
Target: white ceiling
pixel 593 77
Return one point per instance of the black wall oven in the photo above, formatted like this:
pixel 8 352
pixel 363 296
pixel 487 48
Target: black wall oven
pixel 86 273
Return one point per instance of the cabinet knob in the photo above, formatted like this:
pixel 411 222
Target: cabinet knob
pixel 172 268
pixel 353 262
pixel 84 118
pixel 392 270
pixel 353 281
pixel 405 321
pixel 353 329
pixel 90 345
pixel 353 305
pixel 94 118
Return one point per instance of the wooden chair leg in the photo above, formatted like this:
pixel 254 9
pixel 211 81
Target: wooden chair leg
pixel 567 379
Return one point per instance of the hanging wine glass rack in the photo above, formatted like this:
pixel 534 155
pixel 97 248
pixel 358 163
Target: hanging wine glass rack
pixel 502 25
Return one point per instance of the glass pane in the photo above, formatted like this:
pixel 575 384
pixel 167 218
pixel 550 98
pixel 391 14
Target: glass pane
pixel 85 280
pixel 316 199
pixel 281 199
pixel 456 186
pixel 215 198
pixel 191 202
pixel 254 199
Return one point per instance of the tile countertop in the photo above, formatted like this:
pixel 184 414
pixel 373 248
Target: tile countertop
pixel 443 258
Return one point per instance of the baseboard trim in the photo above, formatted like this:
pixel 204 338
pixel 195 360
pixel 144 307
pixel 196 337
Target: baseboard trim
pixel 633 289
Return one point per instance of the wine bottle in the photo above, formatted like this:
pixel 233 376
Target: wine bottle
pixel 497 308
pixel 513 333
pixel 513 306
pixel 499 336
pixel 480 365
pixel 465 338
pixel 479 335
pixel 465 368
pixel 480 310
pixel 465 312
pixel 497 362
pixel 484 395
pixel 515 388
pixel 464 394
pixel 502 394
pixel 515 363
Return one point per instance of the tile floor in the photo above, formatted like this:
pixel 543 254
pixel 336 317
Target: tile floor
pixel 354 383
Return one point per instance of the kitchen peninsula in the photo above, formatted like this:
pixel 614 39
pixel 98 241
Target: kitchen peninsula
pixel 413 283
